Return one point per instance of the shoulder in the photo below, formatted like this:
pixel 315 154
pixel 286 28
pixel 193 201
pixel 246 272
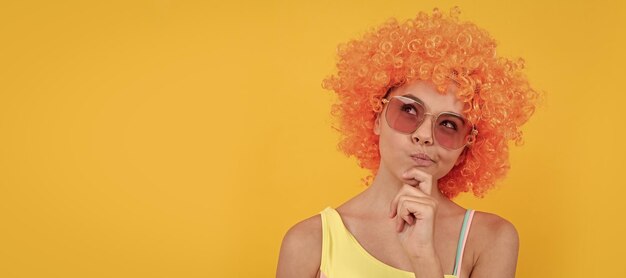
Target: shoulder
pixel 306 233
pixel 301 249
pixel 496 245
pixel 497 229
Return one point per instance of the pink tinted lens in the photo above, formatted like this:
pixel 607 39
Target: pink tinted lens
pixel 404 114
pixel 451 131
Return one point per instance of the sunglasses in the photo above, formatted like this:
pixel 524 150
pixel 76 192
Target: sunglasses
pixel 450 130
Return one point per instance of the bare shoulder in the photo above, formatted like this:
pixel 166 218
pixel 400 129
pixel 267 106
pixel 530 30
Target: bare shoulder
pixel 301 249
pixel 496 245
pixel 305 234
pixel 492 227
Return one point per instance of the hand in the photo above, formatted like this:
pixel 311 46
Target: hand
pixel 415 210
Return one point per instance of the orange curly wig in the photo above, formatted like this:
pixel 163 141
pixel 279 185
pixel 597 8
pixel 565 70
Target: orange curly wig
pixel 439 49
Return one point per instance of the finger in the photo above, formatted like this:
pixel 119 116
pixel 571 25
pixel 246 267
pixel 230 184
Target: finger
pixel 399 224
pixel 402 216
pixel 419 208
pixel 408 209
pixel 406 190
pixel 402 220
pixel 418 178
pixel 404 213
pixel 393 207
pixel 424 180
pixel 410 205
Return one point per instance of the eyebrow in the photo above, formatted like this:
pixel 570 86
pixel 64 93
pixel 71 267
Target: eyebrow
pixel 414 98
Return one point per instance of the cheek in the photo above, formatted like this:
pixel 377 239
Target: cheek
pixel 447 161
pixel 389 145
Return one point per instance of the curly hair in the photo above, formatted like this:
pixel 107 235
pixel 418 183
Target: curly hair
pixel 437 48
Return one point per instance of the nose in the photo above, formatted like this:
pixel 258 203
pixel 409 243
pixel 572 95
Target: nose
pixel 424 132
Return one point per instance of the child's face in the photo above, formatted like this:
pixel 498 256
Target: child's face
pixel 398 150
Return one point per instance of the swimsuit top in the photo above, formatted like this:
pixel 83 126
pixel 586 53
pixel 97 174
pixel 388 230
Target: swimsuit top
pixel 343 256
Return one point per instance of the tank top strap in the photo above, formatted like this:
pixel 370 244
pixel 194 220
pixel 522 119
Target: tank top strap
pixel 332 232
pixel 467 222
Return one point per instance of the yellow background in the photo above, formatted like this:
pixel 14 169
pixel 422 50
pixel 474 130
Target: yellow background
pixel 182 139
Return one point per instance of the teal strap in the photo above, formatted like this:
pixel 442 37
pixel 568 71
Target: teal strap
pixel 459 246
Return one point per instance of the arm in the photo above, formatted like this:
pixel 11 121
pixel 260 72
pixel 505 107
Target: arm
pixel 499 257
pixel 301 250
pixel 428 265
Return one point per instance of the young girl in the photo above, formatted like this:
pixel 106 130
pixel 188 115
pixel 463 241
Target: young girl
pixel 429 108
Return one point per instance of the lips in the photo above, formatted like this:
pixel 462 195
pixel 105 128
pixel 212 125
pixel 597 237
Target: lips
pixel 422 159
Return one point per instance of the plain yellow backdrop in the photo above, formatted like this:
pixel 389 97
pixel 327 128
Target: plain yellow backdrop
pixel 182 139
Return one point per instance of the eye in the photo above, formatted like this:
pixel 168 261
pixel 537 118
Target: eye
pixel 449 124
pixel 408 108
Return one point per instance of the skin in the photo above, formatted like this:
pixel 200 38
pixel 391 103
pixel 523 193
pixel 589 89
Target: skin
pixel 402 219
